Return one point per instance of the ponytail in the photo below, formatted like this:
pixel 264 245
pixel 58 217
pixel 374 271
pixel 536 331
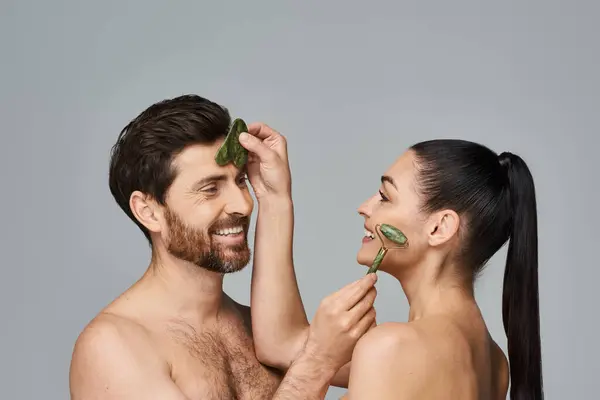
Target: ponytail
pixel 520 298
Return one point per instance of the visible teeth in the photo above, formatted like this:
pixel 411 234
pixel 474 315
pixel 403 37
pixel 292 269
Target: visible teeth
pixel 229 231
pixel 369 234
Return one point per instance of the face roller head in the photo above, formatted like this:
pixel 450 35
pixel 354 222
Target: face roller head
pixel 394 235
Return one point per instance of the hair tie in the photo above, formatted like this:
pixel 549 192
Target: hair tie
pixel 505 159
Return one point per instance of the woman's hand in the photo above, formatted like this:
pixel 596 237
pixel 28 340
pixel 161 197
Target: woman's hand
pixel 268 167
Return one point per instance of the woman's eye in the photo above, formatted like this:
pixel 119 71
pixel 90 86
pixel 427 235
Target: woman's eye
pixel 383 198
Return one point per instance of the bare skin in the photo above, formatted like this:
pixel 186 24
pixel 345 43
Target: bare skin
pixel 176 335
pixel 275 296
pixel 445 349
pixel 153 343
pixel 445 356
pixel 159 346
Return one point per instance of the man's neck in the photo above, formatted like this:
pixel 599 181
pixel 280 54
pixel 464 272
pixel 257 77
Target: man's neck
pixel 190 291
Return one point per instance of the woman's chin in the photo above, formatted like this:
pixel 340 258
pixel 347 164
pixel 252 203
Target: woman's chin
pixel 364 259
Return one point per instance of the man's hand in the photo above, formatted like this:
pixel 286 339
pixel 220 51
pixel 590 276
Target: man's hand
pixel 340 321
pixel 268 167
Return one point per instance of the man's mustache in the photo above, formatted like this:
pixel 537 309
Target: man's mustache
pixel 231 222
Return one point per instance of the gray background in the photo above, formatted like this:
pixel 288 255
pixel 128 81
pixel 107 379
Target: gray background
pixel 515 75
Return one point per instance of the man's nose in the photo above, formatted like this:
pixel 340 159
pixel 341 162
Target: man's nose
pixel 240 203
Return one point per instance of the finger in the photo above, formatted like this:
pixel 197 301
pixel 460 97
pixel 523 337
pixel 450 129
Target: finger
pixel 270 137
pixel 253 158
pixel 374 324
pixel 335 302
pixel 256 146
pixel 353 294
pixel 363 306
pixel 343 292
pixel 364 324
pixel 262 131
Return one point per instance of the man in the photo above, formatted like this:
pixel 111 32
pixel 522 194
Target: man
pixel 174 334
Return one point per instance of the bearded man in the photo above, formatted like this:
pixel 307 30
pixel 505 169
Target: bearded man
pixel 174 334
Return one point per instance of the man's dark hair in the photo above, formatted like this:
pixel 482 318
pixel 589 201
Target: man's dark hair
pixel 142 157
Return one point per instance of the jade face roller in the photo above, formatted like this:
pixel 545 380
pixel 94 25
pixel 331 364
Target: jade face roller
pixel 394 235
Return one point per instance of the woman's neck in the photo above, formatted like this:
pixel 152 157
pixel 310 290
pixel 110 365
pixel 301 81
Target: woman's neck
pixel 431 289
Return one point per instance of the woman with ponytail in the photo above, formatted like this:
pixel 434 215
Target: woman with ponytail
pixel 458 203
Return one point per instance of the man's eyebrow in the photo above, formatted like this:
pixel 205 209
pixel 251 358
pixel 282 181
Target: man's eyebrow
pixel 389 179
pixel 209 179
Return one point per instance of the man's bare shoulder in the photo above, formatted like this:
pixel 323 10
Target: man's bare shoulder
pixel 109 349
pixel 108 331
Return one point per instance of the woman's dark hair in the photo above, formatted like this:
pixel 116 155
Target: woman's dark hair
pixel 495 197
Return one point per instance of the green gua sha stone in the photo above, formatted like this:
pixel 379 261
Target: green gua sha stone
pixel 378 259
pixel 231 150
pixel 394 234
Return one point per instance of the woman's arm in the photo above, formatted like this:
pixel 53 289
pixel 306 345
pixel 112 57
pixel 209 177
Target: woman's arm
pixel 279 320
pixel 279 323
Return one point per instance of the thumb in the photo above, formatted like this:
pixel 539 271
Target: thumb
pixel 256 146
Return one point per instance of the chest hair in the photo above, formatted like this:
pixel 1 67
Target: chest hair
pixel 223 359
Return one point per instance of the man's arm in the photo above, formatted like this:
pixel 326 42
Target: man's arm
pixel 107 366
pixel 340 321
pixel 306 379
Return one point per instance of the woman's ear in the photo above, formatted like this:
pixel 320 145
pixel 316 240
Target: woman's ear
pixel 147 211
pixel 443 226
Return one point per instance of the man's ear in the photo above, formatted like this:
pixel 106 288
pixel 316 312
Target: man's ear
pixel 146 210
pixel 442 227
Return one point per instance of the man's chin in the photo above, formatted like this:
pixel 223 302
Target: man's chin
pixel 231 266
pixel 234 261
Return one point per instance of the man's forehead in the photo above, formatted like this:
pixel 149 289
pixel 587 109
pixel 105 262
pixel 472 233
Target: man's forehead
pixel 198 156
pixel 196 166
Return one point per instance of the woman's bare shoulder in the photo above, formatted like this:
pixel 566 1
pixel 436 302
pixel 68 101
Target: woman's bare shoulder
pixel 389 335
pixel 396 336
pixel 386 357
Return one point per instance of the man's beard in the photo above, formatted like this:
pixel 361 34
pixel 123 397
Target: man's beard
pixel 197 247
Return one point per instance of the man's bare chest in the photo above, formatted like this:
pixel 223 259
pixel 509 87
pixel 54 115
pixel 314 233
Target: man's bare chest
pixel 219 365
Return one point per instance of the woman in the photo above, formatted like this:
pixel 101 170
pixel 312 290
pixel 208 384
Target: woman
pixel 458 203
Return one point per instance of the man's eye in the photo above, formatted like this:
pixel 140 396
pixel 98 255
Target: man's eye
pixel 209 190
